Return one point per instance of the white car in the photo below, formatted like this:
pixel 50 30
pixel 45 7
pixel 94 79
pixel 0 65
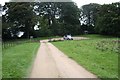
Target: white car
pixel 67 37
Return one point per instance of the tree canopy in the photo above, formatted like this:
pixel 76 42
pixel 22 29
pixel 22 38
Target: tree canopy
pixel 102 19
pixel 53 18
pixel 58 19
pixel 108 19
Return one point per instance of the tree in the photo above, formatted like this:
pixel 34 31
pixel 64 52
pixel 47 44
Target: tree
pixel 44 29
pixel 55 19
pixel 70 15
pixel 46 11
pixel 108 19
pixel 89 15
pixel 20 16
pixel 63 18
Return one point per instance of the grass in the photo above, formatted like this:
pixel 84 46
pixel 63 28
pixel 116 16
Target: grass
pixel 0 60
pixel 103 63
pixel 11 43
pixel 96 36
pixel 16 60
pixel 17 56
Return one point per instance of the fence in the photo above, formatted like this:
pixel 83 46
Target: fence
pixel 8 44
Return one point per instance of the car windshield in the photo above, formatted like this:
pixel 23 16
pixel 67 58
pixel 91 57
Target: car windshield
pixel 68 35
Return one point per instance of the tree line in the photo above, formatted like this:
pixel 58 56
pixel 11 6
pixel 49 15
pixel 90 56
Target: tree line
pixel 58 18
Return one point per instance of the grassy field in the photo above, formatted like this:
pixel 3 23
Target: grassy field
pixel 17 56
pixel 16 60
pixel 99 54
pixel 11 43
pixel 0 60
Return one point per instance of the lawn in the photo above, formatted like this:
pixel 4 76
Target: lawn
pixel 17 60
pixel 0 60
pixel 99 54
pixel 11 43
pixel 17 56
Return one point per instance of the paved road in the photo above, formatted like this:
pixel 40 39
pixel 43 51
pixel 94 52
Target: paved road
pixel 50 62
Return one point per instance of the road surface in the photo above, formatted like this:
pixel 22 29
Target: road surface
pixel 50 62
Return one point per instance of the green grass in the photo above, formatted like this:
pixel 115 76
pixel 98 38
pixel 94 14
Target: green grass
pixel 0 60
pixel 96 36
pixel 11 43
pixel 103 63
pixel 16 61
pixel 17 56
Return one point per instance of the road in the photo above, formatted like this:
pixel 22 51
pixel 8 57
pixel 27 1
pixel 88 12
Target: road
pixel 50 62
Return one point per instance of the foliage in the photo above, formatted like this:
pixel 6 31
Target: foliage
pixel 19 17
pixel 88 13
pixel 53 18
pixel 104 18
pixel 108 19
pixel 59 18
pixel 88 16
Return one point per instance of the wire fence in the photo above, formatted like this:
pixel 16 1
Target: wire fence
pixel 9 44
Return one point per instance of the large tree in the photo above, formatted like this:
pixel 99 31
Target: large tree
pixel 62 17
pixel 19 16
pixel 88 16
pixel 88 13
pixel 108 19
pixel 54 18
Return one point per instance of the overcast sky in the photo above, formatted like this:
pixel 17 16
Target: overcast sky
pixel 80 2
pixel 83 2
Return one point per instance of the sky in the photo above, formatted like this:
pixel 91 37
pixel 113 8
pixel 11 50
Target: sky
pixel 83 2
pixel 3 2
pixel 80 2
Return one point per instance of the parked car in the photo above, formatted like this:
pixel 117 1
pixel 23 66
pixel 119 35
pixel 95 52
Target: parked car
pixel 67 37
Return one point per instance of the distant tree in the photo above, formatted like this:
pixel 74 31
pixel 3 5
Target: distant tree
pixel 44 29
pixel 54 18
pixel 108 19
pixel 62 18
pixel 89 15
pixel 70 15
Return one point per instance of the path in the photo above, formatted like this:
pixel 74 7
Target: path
pixel 52 63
